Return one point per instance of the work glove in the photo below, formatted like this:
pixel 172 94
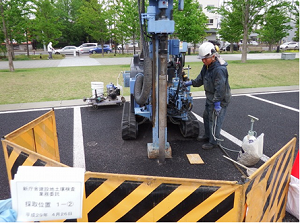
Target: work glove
pixel 7 214
pixel 217 107
pixel 187 83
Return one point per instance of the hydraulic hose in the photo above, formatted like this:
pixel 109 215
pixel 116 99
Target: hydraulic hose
pixel 143 83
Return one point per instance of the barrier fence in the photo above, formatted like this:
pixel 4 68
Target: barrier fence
pixel 266 192
pixel 39 136
pixel 137 198
pixel 134 198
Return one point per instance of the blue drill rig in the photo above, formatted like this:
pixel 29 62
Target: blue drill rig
pixel 156 80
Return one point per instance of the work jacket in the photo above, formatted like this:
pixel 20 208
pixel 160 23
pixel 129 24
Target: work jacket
pixel 215 81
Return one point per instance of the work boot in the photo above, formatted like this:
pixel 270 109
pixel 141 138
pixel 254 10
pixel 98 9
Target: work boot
pixel 202 138
pixel 208 146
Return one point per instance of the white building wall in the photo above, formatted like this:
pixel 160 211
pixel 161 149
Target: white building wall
pixel 213 19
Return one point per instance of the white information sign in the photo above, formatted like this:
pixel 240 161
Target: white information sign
pixel 47 193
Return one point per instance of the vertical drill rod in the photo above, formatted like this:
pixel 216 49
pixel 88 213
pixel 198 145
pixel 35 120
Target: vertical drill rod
pixel 162 99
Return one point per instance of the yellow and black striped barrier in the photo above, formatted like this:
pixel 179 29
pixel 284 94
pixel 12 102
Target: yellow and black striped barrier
pixel 16 156
pixel 39 136
pixel 136 198
pixel 266 193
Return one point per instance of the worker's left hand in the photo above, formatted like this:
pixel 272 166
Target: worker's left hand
pixel 7 214
pixel 217 107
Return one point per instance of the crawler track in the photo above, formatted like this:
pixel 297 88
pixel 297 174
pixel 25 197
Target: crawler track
pixel 129 124
pixel 189 128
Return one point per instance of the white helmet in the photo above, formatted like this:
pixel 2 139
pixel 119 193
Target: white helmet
pixel 206 50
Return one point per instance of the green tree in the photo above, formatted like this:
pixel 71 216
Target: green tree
pixel 121 15
pixel 113 10
pixel 46 24
pixel 252 12
pixel 68 12
pixel 93 18
pixel 129 18
pixel 119 24
pixel 9 50
pixel 231 26
pixel 295 12
pixel 23 24
pixel 13 14
pixel 274 25
pixel 190 24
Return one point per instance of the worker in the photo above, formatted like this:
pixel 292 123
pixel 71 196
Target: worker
pixel 50 50
pixel 214 77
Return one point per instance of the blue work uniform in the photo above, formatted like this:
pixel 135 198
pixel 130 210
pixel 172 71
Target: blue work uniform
pixel 215 80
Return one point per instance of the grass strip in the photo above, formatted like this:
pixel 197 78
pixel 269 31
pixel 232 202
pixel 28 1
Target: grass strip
pixel 66 83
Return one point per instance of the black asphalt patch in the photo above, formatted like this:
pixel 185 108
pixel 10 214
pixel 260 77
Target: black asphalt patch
pixel 293 98
pixel 107 152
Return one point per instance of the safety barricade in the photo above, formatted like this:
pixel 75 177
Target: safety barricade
pixel 16 156
pixel 39 136
pixel 134 198
pixel 266 192
pixel 137 198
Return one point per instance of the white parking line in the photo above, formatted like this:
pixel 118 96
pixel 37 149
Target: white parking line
pixel 78 146
pixel 274 103
pixel 223 133
pixel 232 138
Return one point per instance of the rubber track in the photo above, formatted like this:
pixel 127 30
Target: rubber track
pixel 189 128
pixel 129 124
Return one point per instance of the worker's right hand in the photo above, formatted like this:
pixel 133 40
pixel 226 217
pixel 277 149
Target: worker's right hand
pixel 7 214
pixel 187 83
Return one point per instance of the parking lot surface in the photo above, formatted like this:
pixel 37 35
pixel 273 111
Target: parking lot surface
pixel 105 151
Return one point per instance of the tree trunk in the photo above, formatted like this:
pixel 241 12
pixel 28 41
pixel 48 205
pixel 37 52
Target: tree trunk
pixel 27 47
pixel 102 45
pixel 9 53
pixel 231 48
pixel 246 28
pixel 11 45
pixel 244 48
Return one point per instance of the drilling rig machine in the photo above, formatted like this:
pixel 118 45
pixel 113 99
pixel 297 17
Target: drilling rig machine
pixel 156 81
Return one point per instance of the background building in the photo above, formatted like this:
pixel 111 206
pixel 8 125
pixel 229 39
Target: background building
pixel 213 23
pixel 213 19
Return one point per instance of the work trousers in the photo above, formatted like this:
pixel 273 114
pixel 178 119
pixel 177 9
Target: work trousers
pixel 209 118
pixel 50 55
